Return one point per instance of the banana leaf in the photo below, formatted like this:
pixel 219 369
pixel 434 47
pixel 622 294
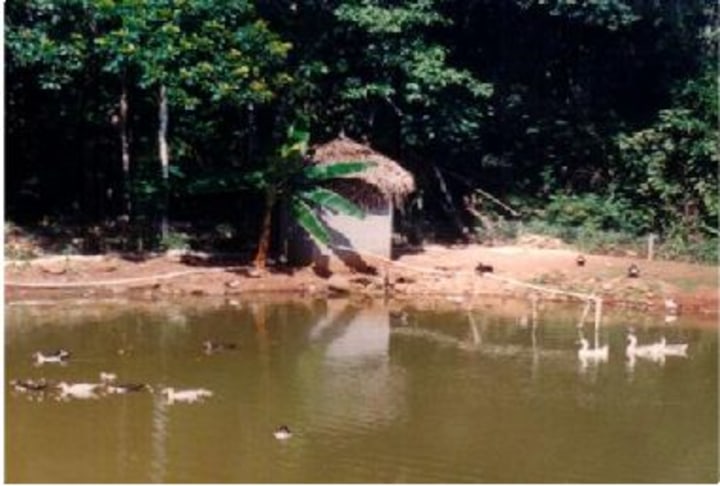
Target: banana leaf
pixel 332 200
pixel 338 169
pixel 306 217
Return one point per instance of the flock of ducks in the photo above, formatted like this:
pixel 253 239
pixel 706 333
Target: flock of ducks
pixel 108 385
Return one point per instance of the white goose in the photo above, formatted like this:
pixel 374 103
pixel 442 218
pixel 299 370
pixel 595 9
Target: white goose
pixel 585 353
pixel 185 396
pixel 648 351
pixel 673 349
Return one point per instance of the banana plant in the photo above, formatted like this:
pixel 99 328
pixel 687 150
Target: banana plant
pixel 289 175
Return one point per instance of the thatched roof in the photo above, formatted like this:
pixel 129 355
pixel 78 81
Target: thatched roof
pixel 386 175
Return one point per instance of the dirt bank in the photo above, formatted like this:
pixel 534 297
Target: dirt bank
pixel 436 271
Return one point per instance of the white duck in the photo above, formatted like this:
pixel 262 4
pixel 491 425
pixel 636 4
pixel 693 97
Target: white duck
pixel 673 349
pixel 648 351
pixel 78 390
pixel 185 396
pixel 60 356
pixel 282 433
pixel 585 353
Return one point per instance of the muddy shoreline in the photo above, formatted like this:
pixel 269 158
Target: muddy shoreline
pixel 438 274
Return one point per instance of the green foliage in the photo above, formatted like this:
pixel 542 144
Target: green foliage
pixel 603 110
pixel 611 14
pixel 308 219
pixel 175 241
pixel 670 168
pixel 326 198
pixel 594 212
pixel 49 37
pixel 332 171
pixel 299 182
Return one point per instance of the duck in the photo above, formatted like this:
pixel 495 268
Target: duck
pixel 633 271
pixel 580 260
pixel 648 351
pixel 60 356
pixel 78 390
pixel 482 268
pixel 122 388
pixel 29 385
pixel 673 349
pixel 585 353
pixel 282 433
pixel 108 381
pixel 185 396
pixel 106 377
pixel 210 347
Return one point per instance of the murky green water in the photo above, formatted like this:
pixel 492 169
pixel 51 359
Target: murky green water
pixel 436 396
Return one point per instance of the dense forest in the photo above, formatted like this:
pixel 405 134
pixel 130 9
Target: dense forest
pixel 592 120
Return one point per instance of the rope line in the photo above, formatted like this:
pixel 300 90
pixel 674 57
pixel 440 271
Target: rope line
pixel 120 281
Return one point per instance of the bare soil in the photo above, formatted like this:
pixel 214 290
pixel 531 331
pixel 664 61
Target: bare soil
pixel 444 272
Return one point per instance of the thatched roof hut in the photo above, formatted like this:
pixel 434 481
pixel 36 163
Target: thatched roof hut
pixel 385 180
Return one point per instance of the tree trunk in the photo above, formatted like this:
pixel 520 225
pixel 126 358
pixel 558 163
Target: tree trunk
pixel 164 161
pixel 265 230
pixel 125 152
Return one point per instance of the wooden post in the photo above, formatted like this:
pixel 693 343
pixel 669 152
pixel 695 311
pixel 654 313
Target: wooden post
pixel 651 246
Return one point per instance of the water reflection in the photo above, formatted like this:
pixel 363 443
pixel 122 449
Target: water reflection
pixel 354 375
pixel 372 394
pixel 159 461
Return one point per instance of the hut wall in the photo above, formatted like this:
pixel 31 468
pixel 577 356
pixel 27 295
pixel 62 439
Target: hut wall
pixel 371 235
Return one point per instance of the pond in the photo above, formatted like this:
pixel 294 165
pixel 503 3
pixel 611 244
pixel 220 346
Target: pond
pixel 441 394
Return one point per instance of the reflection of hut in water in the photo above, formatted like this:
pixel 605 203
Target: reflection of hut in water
pixel 377 190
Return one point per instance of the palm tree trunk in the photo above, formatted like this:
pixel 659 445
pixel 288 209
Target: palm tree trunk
pixel 265 230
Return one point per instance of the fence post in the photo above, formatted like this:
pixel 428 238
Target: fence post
pixel 651 246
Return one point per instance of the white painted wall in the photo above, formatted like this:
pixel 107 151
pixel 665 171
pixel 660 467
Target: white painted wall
pixel 372 234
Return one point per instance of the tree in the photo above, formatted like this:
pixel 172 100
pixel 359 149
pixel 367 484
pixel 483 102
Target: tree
pixel 669 169
pixel 189 51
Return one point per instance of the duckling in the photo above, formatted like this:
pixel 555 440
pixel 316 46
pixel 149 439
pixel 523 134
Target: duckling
pixel 481 268
pixel 186 396
pixel 60 356
pixel 282 433
pixel 633 271
pixel 210 347
pixel 580 260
